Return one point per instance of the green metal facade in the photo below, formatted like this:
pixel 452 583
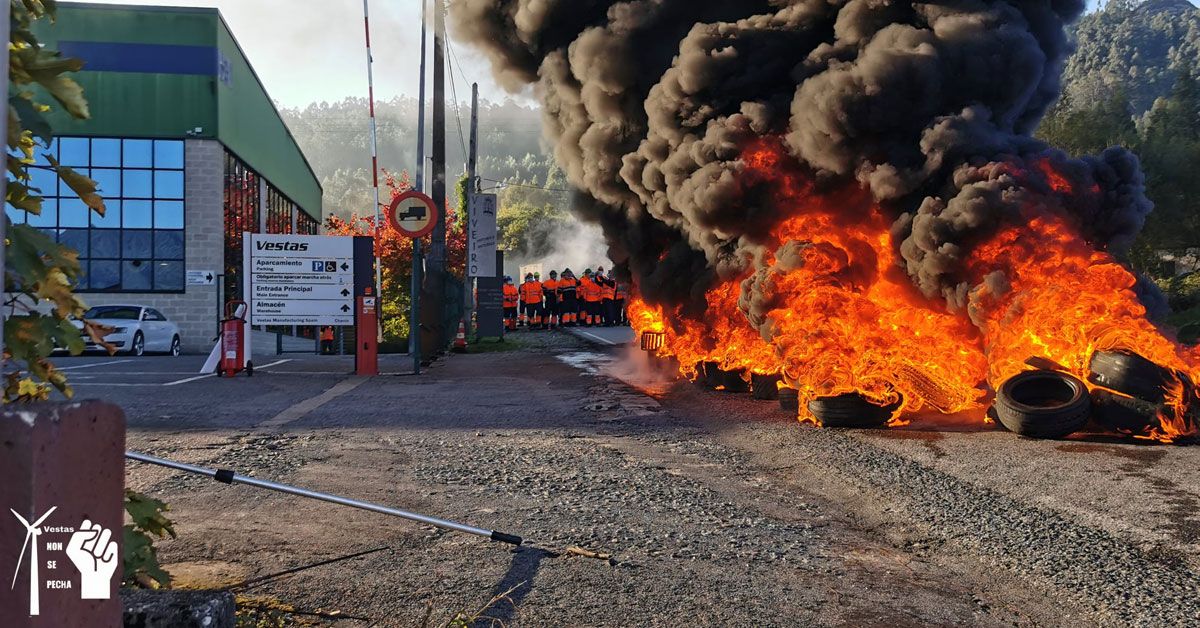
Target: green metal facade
pixel 228 104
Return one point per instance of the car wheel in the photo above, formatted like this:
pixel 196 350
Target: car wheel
pixel 175 347
pixel 851 410
pixel 138 345
pixel 1043 404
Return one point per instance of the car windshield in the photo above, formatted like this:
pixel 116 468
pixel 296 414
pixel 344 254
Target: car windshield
pixel 121 312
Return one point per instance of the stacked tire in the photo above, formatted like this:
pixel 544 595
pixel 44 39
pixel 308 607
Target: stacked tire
pixel 1134 390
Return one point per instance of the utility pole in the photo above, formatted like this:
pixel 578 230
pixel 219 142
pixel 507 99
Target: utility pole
pixel 4 26
pixel 472 161
pixel 435 310
pixel 374 163
pixel 414 314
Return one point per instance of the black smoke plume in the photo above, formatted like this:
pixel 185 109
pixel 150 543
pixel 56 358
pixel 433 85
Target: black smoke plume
pixel 929 106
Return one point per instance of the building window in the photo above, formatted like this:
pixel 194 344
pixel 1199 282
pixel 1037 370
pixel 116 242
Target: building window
pixel 280 211
pixel 305 224
pixel 138 245
pixel 241 216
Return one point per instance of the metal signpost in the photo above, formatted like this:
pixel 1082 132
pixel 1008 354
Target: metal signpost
pixel 301 280
pixel 414 215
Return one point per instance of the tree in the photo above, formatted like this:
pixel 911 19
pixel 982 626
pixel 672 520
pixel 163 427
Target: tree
pixel 38 270
pixel 395 254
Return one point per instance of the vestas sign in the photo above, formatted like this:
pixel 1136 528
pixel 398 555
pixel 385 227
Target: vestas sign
pixel 281 246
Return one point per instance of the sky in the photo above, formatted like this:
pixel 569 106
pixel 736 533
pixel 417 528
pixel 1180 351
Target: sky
pixel 312 50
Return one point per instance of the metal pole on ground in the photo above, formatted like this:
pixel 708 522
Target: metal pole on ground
pixel 229 477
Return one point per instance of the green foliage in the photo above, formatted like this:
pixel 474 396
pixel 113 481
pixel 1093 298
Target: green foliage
pixel 141 568
pixel 37 269
pixel 1135 47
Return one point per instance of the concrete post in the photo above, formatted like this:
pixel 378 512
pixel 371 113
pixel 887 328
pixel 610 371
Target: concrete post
pixel 62 471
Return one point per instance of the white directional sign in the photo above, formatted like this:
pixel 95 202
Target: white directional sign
pixel 201 277
pixel 301 280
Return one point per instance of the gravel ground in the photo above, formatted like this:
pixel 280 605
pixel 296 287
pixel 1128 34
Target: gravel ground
pixel 715 509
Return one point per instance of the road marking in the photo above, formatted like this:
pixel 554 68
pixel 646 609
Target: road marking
pixel 299 410
pixel 88 366
pixel 598 338
pixel 206 375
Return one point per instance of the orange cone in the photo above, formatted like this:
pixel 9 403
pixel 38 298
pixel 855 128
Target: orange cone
pixel 460 340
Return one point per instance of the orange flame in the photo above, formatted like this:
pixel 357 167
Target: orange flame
pixel 835 314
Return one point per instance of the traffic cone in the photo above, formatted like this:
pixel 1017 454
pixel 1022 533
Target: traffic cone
pixel 460 340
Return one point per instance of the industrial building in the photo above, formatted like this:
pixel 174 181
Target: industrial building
pixel 188 151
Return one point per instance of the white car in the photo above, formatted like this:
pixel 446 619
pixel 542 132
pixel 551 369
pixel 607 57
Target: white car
pixel 137 329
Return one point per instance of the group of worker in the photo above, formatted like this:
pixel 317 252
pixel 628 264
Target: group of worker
pixel 593 300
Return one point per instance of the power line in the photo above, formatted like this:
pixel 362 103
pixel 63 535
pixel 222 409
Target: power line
pixel 504 184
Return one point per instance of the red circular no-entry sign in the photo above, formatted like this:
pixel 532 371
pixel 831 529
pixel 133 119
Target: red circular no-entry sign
pixel 413 214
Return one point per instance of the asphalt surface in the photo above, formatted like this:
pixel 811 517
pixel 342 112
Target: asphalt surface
pixel 715 509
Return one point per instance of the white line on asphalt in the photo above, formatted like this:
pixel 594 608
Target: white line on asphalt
pixel 299 410
pixel 199 377
pixel 88 366
pixel 75 383
pixel 595 337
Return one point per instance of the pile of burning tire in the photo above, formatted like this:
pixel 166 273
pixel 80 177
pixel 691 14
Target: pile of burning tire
pixel 1124 393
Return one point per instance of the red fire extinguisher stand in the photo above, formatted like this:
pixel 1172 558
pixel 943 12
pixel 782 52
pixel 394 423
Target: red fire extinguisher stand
pixel 233 333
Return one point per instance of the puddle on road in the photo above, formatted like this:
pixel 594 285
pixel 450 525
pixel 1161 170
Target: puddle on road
pixel 638 403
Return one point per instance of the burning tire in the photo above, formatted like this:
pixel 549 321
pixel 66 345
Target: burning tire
pixel 711 375
pixel 735 382
pixel 789 400
pixel 765 387
pixel 1131 374
pixel 851 410
pixel 1124 414
pixel 1043 404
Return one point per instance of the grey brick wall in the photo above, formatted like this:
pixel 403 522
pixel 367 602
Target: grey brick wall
pixel 196 309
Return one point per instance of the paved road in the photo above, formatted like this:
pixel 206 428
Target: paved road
pixel 604 336
pixel 715 508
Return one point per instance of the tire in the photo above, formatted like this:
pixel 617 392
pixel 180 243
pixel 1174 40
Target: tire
pixel 1043 404
pixel 851 410
pixel 176 347
pixel 1124 414
pixel 789 401
pixel 137 346
pixel 734 382
pixel 1131 374
pixel 765 387
pixel 713 377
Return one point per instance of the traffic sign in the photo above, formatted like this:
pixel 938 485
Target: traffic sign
pixel 413 214
pixel 301 280
pixel 201 277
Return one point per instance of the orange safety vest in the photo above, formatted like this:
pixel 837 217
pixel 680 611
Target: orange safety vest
pixel 511 296
pixel 622 291
pixel 589 290
pixel 531 292
pixel 608 289
pixel 550 287
pixel 327 334
pixel 566 288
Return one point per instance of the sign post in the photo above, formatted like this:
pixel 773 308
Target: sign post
pixel 414 215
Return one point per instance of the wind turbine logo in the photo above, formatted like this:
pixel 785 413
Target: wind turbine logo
pixel 32 532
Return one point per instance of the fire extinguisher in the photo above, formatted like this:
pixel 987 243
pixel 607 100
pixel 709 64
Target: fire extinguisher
pixel 233 330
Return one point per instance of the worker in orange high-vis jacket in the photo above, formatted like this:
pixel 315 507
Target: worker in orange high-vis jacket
pixel 550 291
pixel 608 295
pixel 622 298
pixel 512 303
pixel 568 304
pixel 327 340
pixel 531 299
pixel 589 293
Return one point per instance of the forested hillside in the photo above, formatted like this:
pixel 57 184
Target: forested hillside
pixel 336 139
pixel 1133 82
